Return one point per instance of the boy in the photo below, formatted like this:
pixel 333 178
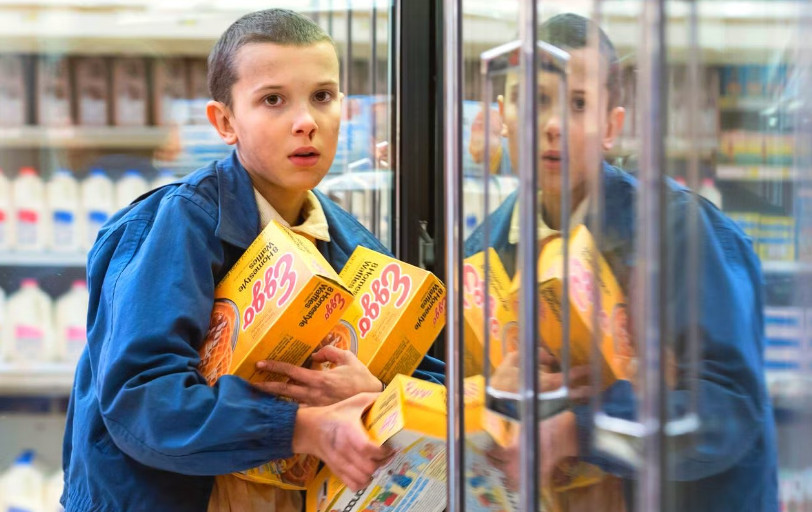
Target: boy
pixel 144 431
pixel 730 462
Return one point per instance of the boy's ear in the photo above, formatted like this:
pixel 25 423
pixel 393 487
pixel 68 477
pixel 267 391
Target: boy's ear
pixel 220 117
pixel 614 125
pixel 500 100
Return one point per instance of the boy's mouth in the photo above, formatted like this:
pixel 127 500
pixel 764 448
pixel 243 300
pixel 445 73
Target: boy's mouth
pixel 305 156
pixel 551 160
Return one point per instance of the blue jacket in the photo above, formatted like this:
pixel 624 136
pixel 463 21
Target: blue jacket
pixel 144 431
pixel 731 463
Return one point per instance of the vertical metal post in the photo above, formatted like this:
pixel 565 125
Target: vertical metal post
pixel 452 97
pixel 529 458
pixel 650 269
pixel 375 220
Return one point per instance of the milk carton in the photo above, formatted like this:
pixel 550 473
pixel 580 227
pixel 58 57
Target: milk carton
pixel 14 107
pixel 92 81
pixel 53 492
pixel 53 91
pixel 129 187
pixel 70 319
pixel 98 196
pixel 164 177
pixel 62 191
pixel 22 486
pixel 6 216
pixel 277 302
pixel 130 94
pixel 398 313
pixel 28 196
pixel 29 329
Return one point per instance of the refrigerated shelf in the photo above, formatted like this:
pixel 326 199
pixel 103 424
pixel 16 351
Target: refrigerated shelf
pixel 83 137
pixel 42 259
pixel 44 379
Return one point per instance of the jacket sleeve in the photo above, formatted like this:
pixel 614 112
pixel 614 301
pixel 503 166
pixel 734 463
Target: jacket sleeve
pixel 732 402
pixel 150 310
pixel 431 369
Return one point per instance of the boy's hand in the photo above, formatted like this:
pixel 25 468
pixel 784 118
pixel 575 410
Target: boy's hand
pixel 315 387
pixel 336 435
pixel 507 376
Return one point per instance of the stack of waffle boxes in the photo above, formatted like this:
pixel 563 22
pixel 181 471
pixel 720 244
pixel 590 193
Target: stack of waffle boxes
pixel 282 301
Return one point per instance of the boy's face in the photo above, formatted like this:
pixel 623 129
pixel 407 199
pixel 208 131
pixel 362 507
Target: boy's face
pixel 285 114
pixel 593 128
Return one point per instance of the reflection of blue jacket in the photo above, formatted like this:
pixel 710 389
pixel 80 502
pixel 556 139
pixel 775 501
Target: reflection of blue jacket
pixel 144 431
pixel 731 465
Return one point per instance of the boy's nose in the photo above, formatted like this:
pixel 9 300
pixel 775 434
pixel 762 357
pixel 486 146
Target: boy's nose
pixel 304 123
pixel 551 127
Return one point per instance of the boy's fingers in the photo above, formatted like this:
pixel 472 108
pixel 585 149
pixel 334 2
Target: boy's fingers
pixel 296 373
pixel 332 354
pixel 285 389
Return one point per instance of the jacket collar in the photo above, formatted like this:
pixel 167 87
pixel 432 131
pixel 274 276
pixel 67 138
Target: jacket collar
pixel 239 216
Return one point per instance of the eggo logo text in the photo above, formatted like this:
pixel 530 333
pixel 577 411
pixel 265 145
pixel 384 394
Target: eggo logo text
pixel 381 292
pixel 279 280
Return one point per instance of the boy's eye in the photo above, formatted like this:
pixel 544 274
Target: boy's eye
pixel 323 96
pixel 578 104
pixel 544 100
pixel 273 100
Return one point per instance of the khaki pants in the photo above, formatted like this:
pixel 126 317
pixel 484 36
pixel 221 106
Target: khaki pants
pixel 232 494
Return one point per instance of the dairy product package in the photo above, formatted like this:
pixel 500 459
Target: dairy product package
pixel 98 199
pixel 503 328
pixel 6 213
pixel 410 416
pixel 14 107
pixel 22 486
pixel 70 319
pixel 277 302
pixel 618 359
pixel 130 94
pixel 28 197
pixel 170 88
pixel 63 202
pixel 398 313
pixel 129 187
pixel 92 85
pixel 53 91
pixel 28 331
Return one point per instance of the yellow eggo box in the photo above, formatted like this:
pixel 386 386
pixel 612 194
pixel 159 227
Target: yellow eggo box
pixel 410 416
pixel 277 302
pixel 615 346
pixel 398 312
pixel 501 316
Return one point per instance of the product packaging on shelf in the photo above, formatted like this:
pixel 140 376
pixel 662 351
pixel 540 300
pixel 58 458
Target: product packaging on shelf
pixel 398 313
pixel 14 107
pixel 92 90
pixel 170 89
pixel 130 92
pixel 53 91
pixel 63 203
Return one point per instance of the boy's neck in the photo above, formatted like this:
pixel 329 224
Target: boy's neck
pixel 287 204
pixel 551 206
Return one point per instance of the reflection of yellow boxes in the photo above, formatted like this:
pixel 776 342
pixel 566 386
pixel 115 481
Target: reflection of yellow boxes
pixel 277 302
pixel 615 345
pixel 398 313
pixel 501 316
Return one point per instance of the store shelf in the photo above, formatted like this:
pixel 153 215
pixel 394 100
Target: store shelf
pixel 83 137
pixel 42 259
pixel 755 173
pixel 746 103
pixel 786 267
pixel 43 379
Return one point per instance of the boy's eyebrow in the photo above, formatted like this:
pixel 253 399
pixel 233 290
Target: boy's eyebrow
pixel 272 87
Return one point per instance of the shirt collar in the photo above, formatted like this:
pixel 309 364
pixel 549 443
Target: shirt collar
pixel 314 223
pixel 578 217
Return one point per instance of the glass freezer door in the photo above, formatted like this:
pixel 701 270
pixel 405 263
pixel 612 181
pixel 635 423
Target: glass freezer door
pixel 627 255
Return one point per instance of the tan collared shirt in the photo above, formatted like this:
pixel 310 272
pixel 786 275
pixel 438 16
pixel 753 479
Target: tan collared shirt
pixel 314 223
pixel 578 217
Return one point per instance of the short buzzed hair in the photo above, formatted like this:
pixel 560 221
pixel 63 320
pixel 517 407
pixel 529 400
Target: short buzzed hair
pixel 279 26
pixel 571 31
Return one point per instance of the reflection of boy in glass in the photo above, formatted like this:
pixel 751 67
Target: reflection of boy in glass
pixel 730 463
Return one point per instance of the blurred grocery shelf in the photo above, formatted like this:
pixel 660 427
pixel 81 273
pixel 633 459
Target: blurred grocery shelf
pixel 42 259
pixel 83 137
pixel 44 379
